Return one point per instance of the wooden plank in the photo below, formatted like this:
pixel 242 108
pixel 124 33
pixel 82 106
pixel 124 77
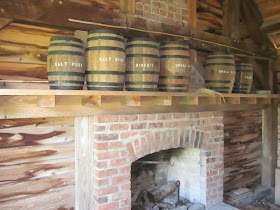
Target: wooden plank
pixel 18 137
pixel 231 18
pixel 188 100
pixel 163 100
pixel 192 15
pixel 232 100
pixel 269 132
pixel 4 22
pixel 46 101
pixel 91 101
pixel 26 107
pixel 18 155
pixel 277 187
pixel 127 6
pixel 131 100
pixel 84 161
pixel 60 198
pixel 23 172
pixel 35 186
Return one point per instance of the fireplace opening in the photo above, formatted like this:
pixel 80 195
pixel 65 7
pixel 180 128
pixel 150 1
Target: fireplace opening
pixel 169 179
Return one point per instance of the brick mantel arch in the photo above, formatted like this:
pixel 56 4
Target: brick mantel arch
pixel 122 139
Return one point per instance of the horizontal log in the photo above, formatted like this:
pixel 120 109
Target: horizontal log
pixel 24 172
pixel 38 136
pixel 36 186
pixel 31 123
pixel 62 198
pixel 19 155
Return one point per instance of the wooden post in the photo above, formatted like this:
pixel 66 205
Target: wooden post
pixel 231 18
pixel 84 163
pixel 269 144
pixel 192 15
pixel 127 6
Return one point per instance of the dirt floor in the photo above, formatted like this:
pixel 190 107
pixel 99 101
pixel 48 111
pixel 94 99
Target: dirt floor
pixel 264 204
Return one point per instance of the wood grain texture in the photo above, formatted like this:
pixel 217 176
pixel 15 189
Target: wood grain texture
pixel 242 149
pixel 32 187
pixel 18 155
pixel 56 199
pixel 84 161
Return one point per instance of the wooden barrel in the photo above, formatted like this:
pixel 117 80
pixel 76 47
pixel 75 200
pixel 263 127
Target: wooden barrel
pixel 174 67
pixel 105 60
pixel 66 63
pixel 243 78
pixel 220 72
pixel 142 65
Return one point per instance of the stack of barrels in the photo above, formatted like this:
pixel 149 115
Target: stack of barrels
pixel 139 65
pixel 224 75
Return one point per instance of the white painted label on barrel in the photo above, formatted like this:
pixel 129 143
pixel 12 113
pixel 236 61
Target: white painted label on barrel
pixel 144 65
pixel 226 72
pixel 247 77
pixel 181 65
pixel 65 63
pixel 108 59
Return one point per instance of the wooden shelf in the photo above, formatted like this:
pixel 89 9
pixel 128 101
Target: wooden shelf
pixel 23 92
pixel 19 103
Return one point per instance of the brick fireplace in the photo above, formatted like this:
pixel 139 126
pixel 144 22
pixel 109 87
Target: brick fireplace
pixel 122 139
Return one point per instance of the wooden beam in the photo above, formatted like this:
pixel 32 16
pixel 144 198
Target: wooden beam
pixel 231 18
pixel 84 157
pixel 4 22
pixel 269 144
pixel 192 15
pixel 127 6
pixel 46 101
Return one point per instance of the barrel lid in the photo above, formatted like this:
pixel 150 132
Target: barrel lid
pixel 103 31
pixel 141 39
pixel 66 38
pixel 175 42
pixel 220 52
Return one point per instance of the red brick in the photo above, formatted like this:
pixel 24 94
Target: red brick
pixel 164 116
pixel 101 164
pixel 205 114
pixel 158 141
pixel 147 8
pixel 100 145
pixel 121 195
pixel 156 4
pixel 109 206
pixel 212 197
pixel 173 124
pixel 131 152
pixel 138 149
pixel 107 155
pixel 125 186
pixel 106 190
pixel 101 182
pixel 184 12
pixel 148 15
pixel 99 128
pixel 125 169
pixel 144 146
pixel 178 17
pixel 185 18
pixel 162 6
pixel 116 145
pixel 101 200
pixel 155 11
pixel 179 115
pixel 139 12
pixel 128 118
pixel 106 137
pixel 145 117
pixel 121 179
pixel 118 162
pixel 126 202
pixel 139 6
pixel 119 127
pixel 146 1
pixel 155 125
pixel 184 124
pixel 162 12
pixel 172 9
pixel 138 126
pixel 127 135
pixel 105 173
pixel 106 118
pixel 150 138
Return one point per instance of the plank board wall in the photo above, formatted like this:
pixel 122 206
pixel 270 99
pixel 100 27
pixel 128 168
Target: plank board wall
pixel 278 149
pixel 243 149
pixel 37 163
pixel 210 16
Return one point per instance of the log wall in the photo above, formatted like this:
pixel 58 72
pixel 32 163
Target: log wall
pixel 243 149
pixel 37 163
